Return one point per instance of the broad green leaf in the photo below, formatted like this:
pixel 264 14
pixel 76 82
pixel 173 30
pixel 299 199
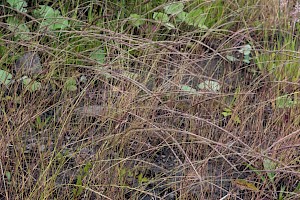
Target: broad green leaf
pixel 19 28
pixel 98 55
pixel 246 50
pixel 270 166
pixel 188 89
pixel 32 86
pixel 209 85
pixel 52 19
pixel 136 20
pixel 162 17
pixel 196 18
pixel 5 77
pixel 174 8
pixel 70 84
pixel 181 16
pixel 18 5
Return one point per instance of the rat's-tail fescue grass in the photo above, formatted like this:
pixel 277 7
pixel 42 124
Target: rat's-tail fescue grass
pixel 150 100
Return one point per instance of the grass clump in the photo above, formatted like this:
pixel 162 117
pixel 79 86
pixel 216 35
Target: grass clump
pixel 156 99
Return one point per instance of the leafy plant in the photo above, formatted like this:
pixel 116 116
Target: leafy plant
pixel 98 55
pixel 285 101
pixel 19 28
pixel 83 173
pixel 5 77
pixel 196 17
pixel 246 51
pixel 52 19
pixel 31 85
pixel 270 166
pixel 19 5
pixel 174 8
pixel 70 84
pixel 209 85
pixel 187 88
pixel 136 20
pixel 40 124
pixel 228 112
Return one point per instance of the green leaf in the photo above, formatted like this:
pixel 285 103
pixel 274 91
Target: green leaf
pixel 32 86
pixel 98 55
pixel 209 85
pixel 51 18
pixel 18 5
pixel 196 18
pixel 8 175
pixel 5 77
pixel 162 17
pixel 270 166
pixel 174 8
pixel 188 89
pixel 142 179
pixel 246 50
pixel 136 20
pixel 181 16
pixel 70 84
pixel 285 102
pixel 232 58
pixel 246 59
pixel 19 28
pixel 237 119
pixel 227 112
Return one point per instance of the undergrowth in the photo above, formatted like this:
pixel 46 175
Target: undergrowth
pixel 149 99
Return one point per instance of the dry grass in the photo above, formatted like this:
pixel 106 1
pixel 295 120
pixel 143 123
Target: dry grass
pixel 137 134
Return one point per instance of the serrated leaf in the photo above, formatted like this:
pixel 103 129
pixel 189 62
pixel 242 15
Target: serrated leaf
pixel 136 20
pixel 209 85
pixel 98 55
pixel 18 5
pixel 161 17
pixel 5 77
pixel 18 27
pixel 174 8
